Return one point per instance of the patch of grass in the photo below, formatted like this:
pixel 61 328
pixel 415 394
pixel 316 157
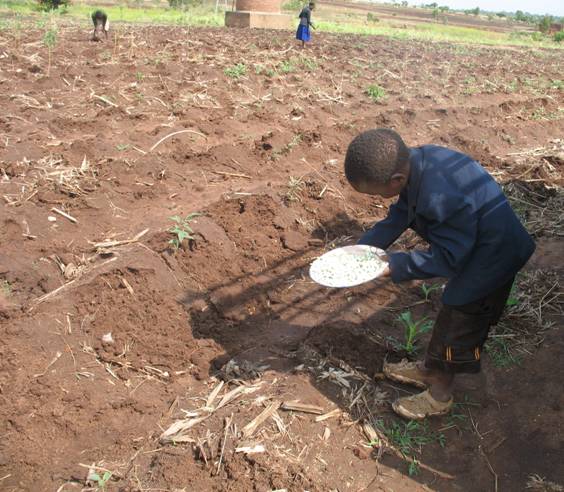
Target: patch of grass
pixel 436 32
pixel 181 229
pixel 375 92
pixel 521 330
pixel 409 438
pixel 203 15
pixel 412 331
pixel 236 71
pixel 501 353
pixel 308 63
pixel 286 66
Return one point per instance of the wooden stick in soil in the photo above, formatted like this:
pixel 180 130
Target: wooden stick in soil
pixel 234 175
pixel 296 406
pixel 228 421
pixel 172 135
pixel 111 244
pixel 333 413
pixel 65 215
pixel 252 426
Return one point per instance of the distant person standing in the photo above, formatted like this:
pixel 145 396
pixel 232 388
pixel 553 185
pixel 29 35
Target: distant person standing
pixel 303 33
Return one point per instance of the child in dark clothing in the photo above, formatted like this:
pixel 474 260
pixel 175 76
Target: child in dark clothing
pixel 475 240
pixel 302 34
pixel 101 25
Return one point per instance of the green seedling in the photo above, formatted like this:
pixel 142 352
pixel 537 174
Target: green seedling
pixel 413 468
pixel 122 147
pixel 182 229
pixel 512 300
pixel 5 288
pixel 101 481
pixel 375 92
pixel 236 71
pixel 139 77
pixel 412 330
pixel 287 66
pixel 50 40
pixel 427 289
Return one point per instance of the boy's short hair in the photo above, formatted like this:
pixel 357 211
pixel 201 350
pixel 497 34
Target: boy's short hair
pixel 374 156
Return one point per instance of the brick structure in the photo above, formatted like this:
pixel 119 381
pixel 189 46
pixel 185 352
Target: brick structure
pixel 263 14
pixel 272 6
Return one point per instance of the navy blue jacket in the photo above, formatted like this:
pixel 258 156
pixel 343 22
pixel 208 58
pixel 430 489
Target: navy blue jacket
pixel 475 239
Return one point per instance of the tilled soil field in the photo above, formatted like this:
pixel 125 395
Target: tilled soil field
pixel 127 364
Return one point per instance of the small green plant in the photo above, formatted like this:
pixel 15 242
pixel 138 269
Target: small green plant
pixel 375 92
pixel 295 187
pixel 428 289
pixel 412 331
pixel 286 66
pixel 122 147
pixel 558 37
pixel 413 468
pixel 5 288
pixel 101 481
pixel 370 17
pixel 182 229
pixel 512 300
pixel 308 63
pixel 139 77
pixel 236 71
pixel 50 40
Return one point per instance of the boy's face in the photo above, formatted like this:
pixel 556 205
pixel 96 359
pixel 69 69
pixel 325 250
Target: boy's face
pixel 387 190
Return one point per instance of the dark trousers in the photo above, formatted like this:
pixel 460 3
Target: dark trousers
pixel 460 332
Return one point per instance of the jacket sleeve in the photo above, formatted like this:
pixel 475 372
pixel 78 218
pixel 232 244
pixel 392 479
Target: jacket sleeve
pixel 385 232
pixel 451 232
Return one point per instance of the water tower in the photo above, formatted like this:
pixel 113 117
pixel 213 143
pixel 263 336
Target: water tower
pixel 258 14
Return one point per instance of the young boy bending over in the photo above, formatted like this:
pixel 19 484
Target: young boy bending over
pixel 475 240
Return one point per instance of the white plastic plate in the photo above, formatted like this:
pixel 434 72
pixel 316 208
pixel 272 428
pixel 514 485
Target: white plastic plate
pixel 348 266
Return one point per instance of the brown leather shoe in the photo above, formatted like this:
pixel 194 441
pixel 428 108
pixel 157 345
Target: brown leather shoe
pixel 404 372
pixel 420 406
